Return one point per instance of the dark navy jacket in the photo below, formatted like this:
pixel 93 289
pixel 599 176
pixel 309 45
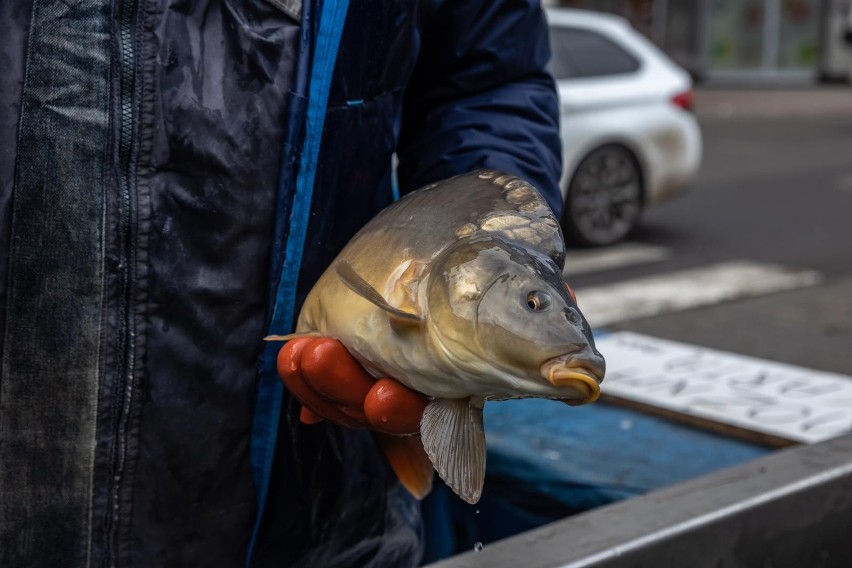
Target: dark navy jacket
pixel 174 175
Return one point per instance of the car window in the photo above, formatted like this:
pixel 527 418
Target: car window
pixel 583 53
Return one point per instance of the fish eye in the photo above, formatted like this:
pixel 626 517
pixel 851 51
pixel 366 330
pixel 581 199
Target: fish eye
pixel 538 301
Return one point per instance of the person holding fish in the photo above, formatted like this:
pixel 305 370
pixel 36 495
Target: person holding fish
pixel 180 180
pixel 472 308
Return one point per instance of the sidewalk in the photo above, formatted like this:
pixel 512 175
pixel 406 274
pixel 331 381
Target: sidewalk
pixel 805 102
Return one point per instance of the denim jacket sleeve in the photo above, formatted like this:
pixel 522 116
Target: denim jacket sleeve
pixel 480 97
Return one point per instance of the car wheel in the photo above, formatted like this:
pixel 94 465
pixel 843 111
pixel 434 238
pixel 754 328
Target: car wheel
pixel 604 198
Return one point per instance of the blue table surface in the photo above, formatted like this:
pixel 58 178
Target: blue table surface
pixel 547 460
pixel 607 451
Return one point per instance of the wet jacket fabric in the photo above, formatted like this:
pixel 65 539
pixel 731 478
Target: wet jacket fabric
pixel 174 176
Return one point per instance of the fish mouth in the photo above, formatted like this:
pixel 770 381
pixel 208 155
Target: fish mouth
pixel 583 379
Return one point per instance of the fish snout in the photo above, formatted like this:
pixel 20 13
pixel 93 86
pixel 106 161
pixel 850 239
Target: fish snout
pixel 581 373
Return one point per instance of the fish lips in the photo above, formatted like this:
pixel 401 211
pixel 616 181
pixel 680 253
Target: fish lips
pixel 578 374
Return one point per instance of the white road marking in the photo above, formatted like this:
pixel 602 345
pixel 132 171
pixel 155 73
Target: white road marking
pixel 782 401
pixel 624 254
pixel 654 295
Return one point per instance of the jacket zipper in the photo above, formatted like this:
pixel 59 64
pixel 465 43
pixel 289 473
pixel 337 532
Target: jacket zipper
pixel 123 386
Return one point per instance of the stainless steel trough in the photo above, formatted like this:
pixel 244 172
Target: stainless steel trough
pixel 792 508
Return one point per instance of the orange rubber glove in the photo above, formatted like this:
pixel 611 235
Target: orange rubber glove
pixel 331 384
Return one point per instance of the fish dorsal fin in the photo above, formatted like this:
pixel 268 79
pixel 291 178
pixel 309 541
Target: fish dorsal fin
pixel 361 287
pixel 409 461
pixel 454 439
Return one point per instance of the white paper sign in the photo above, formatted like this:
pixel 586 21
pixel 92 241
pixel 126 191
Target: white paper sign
pixel 793 403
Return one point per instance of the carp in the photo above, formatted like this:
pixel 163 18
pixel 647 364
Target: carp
pixel 456 291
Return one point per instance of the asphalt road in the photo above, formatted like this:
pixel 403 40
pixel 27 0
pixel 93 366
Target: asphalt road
pixel 776 187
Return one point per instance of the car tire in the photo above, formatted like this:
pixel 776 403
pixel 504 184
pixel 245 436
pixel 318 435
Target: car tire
pixel 604 197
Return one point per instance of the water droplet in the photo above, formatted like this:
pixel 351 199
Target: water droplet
pixel 477 547
pixel 626 424
pixel 384 419
pixel 551 455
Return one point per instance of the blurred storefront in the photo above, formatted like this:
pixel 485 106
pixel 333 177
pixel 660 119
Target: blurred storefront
pixel 745 40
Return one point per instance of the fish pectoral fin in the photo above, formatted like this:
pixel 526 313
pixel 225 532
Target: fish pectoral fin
pixel 405 287
pixel 290 336
pixel 361 287
pixel 454 439
pixel 409 461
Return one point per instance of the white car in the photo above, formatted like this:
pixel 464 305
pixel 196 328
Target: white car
pixel 629 136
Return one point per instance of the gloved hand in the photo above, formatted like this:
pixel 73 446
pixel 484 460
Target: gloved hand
pixel 331 384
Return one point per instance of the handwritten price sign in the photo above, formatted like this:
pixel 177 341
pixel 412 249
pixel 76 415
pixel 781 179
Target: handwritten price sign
pixel 782 402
